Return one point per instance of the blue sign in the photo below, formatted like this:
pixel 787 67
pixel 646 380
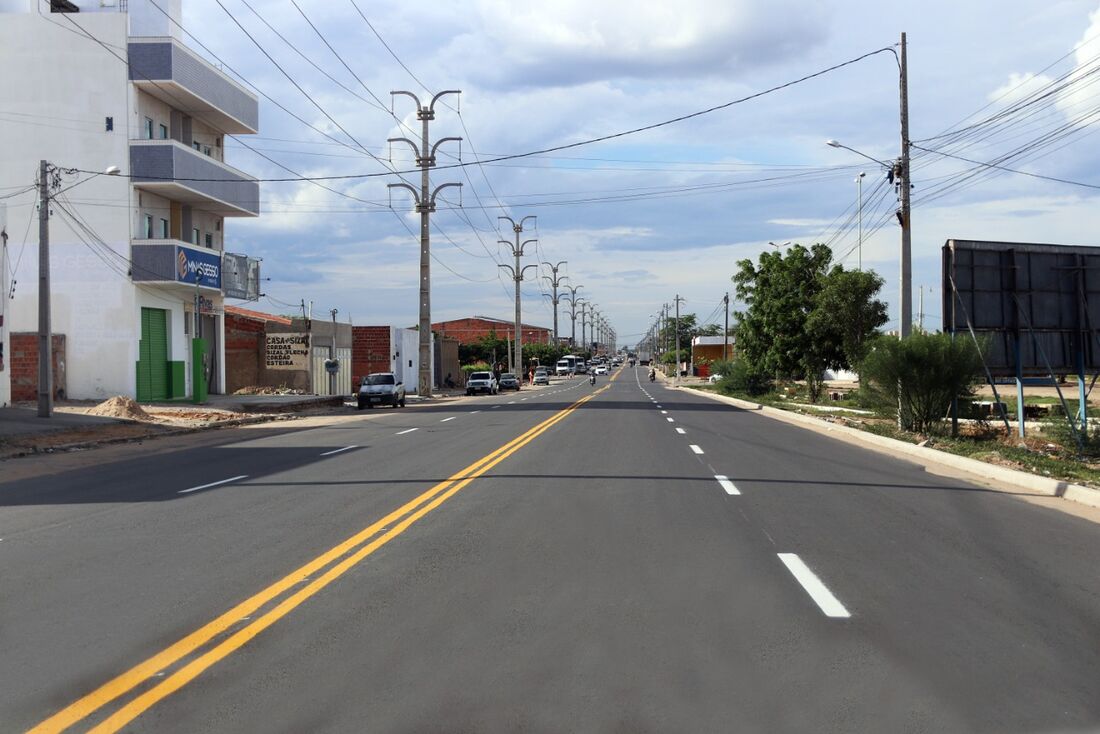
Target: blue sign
pixel 196 266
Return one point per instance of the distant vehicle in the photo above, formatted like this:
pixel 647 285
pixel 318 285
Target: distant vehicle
pixel 508 381
pixel 381 388
pixel 542 377
pixel 644 357
pixel 482 382
pixel 601 369
pixel 567 365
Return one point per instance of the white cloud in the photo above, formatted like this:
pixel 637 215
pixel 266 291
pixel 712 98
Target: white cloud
pixel 1018 87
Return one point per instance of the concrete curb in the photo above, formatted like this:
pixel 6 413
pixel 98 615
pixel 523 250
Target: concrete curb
pixel 923 455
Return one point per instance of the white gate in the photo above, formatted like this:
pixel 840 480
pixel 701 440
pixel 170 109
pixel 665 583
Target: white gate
pixel 320 376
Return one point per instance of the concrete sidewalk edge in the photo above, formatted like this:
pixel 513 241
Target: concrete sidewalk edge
pixel 922 454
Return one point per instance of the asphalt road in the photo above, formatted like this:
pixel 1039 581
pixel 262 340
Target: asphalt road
pixel 624 558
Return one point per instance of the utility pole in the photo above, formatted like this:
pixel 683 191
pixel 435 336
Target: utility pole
pixel 906 313
pixel 517 274
pixel 573 300
pixel 920 309
pixel 45 337
pixel 333 367
pixel 677 337
pixel 425 204
pixel 555 281
pixel 726 330
pixel 859 199
pixel 584 338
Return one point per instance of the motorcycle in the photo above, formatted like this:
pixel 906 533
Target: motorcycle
pixel 652 376
pixel 592 378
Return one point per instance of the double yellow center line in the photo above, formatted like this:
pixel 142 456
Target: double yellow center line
pixel 338 561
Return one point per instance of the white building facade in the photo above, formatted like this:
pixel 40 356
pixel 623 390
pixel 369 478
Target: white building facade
pixel 96 84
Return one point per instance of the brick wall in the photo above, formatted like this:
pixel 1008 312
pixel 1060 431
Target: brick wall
pixel 24 367
pixel 370 351
pixel 244 342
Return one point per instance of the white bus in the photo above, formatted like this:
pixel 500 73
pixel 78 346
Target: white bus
pixel 567 365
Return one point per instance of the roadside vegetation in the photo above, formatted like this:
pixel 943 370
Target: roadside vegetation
pixel 805 315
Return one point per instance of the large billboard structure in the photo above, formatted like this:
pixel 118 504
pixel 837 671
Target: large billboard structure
pixel 1035 308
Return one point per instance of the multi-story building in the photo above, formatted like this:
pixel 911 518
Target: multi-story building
pixel 139 268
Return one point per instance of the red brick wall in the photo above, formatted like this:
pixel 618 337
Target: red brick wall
pixel 473 329
pixel 370 351
pixel 244 340
pixel 24 366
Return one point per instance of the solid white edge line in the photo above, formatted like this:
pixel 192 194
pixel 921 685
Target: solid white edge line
pixel 820 593
pixel 448 419
pixel 336 451
pixel 681 431
pixel 727 485
pixel 212 484
pixel 407 430
pixel 696 449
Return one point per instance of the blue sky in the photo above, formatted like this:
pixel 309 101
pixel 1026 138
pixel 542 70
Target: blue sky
pixel 670 211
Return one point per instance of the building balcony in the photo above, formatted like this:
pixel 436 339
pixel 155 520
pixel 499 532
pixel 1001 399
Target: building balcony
pixel 180 266
pixel 166 69
pixel 169 168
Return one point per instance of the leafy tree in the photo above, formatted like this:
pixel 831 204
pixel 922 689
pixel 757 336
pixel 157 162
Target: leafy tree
pixel 688 329
pixel 804 315
pixel 917 377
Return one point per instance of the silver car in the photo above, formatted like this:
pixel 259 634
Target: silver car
pixel 381 388
pixel 482 382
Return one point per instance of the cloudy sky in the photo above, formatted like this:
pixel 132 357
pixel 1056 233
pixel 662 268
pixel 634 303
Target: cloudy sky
pixel 644 217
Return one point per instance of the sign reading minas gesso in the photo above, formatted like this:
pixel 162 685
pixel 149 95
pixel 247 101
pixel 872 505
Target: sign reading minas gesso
pixel 287 351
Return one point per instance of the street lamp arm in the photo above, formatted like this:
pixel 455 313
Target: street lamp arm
pixel 510 269
pixel 525 243
pixel 414 146
pixel 510 221
pixel 415 193
pixel 835 144
pixel 441 141
pixel 440 187
pixel 437 97
pixel 525 269
pixel 408 94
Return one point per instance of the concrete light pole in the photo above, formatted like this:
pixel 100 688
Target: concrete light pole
pixel 676 336
pixel 573 300
pixel 517 274
pixel 555 281
pixel 859 199
pixel 425 204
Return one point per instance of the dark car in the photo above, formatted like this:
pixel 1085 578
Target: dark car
pixel 508 381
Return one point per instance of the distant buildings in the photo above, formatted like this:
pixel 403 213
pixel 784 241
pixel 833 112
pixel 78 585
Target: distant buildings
pixel 475 328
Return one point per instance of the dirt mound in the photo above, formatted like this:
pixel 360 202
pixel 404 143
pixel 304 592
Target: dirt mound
pixel 121 407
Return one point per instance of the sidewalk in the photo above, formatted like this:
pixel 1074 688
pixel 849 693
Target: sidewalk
pixel 18 421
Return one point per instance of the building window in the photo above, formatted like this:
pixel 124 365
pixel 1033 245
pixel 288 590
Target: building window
pixel 195 236
pixel 196 145
pixel 148 128
pixel 210 240
pixel 206 150
pixel 148 226
pixel 164 229
pixel 163 132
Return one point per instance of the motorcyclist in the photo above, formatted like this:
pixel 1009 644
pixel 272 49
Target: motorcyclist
pixel 592 377
pixel 652 374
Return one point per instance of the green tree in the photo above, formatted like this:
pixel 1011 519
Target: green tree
pixel 804 315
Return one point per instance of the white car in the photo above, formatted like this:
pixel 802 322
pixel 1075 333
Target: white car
pixel 714 378
pixel 601 369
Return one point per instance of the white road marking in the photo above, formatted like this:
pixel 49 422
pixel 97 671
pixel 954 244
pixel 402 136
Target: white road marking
pixel 670 420
pixel 407 430
pixel 820 593
pixel 663 412
pixel 681 431
pixel 511 402
pixel 448 419
pixel 496 406
pixel 696 449
pixel 336 451
pixel 212 484
pixel 474 412
pixel 727 484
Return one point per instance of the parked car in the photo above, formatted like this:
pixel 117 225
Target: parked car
pixel 508 381
pixel 601 369
pixel 542 377
pixel 482 382
pixel 381 388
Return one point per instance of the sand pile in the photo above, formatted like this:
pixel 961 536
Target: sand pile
pixel 120 407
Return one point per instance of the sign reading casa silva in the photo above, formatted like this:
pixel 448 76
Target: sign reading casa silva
pixel 287 351
pixel 196 266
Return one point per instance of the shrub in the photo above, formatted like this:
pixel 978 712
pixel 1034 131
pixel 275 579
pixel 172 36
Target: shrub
pixel 739 377
pixel 917 377
pixel 477 367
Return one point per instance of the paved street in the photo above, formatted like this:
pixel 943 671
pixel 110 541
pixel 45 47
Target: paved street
pixel 618 558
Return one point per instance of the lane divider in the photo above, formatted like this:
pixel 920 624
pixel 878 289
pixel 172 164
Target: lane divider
pixel 407 430
pixel 726 484
pixel 696 449
pixel 212 484
pixel 337 451
pixel 817 590
pixel 352 551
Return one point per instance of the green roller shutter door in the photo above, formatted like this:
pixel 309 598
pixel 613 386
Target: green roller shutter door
pixel 152 370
